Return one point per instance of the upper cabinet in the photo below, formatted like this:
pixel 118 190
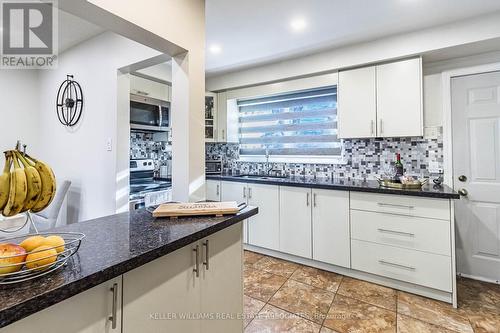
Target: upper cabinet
pixel 149 88
pixel 381 101
pixel 210 117
pixel 357 103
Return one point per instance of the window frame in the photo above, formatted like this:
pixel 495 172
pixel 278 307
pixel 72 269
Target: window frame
pixel 306 159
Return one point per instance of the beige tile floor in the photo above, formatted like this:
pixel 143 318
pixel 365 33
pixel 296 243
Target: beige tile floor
pixel 281 296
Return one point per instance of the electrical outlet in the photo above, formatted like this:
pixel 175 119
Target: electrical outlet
pixel 109 144
pixel 434 167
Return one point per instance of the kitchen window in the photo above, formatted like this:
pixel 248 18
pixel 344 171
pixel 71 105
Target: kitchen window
pixel 292 127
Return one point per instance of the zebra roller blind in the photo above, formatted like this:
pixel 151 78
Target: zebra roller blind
pixel 295 124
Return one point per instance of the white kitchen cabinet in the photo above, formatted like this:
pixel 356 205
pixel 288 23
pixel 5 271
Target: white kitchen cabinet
pixel 221 117
pixel 222 280
pixel 210 117
pixel 399 98
pixel 381 101
pixel 264 228
pixel 149 88
pixel 188 282
pixel 88 312
pixel 233 191
pixel 330 227
pixel 356 98
pixel 295 221
pixel 167 286
pixel 213 190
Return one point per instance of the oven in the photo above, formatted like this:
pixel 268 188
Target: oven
pixel 149 114
pixel 145 189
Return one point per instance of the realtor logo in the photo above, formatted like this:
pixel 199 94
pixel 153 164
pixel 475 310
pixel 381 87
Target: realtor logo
pixel 29 36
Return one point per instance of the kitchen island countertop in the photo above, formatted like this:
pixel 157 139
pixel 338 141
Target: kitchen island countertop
pixel 345 184
pixel 113 245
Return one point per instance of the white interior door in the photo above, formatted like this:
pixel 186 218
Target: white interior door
pixel 476 169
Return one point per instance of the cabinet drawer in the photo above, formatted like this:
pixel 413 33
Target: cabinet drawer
pixel 426 269
pixel 416 233
pixel 401 204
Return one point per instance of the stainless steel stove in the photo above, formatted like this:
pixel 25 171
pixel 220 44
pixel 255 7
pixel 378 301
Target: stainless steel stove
pixel 145 189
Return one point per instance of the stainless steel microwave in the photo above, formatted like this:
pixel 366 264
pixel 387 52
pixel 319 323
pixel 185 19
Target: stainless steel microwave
pixel 148 113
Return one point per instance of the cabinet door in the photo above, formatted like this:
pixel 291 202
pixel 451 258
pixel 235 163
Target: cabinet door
pixel 399 98
pixel 156 295
pixel 295 221
pixel 213 190
pixel 330 220
pixel 149 88
pixel 356 104
pixel 232 191
pixel 87 312
pixel 264 228
pixel 210 117
pixel 221 117
pixel 222 281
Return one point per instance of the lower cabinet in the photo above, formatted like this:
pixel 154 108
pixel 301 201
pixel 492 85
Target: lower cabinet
pixel 330 227
pixel 295 221
pixel 264 228
pixel 213 190
pixel 88 312
pixel 233 191
pixel 188 290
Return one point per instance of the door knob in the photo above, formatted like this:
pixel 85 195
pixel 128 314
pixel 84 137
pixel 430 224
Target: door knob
pixel 462 178
pixel 463 192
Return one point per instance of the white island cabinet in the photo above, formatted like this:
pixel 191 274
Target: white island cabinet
pixel 198 288
pixel 89 312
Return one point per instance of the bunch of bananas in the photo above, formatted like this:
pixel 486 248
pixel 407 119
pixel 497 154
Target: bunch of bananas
pixel 26 184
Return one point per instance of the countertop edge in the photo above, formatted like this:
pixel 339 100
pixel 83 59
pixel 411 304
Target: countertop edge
pixel 337 187
pixel 44 301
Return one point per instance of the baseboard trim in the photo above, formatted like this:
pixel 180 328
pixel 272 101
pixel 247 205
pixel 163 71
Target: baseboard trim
pixel 479 278
pixel 400 285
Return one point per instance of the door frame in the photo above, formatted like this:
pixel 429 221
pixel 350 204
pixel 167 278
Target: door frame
pixel 446 77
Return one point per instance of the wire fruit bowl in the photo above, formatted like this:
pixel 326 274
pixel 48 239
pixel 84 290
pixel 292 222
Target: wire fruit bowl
pixel 72 241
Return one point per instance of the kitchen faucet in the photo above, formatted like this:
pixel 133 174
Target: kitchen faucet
pixel 268 170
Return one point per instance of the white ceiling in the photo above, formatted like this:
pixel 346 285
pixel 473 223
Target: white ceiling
pixel 258 31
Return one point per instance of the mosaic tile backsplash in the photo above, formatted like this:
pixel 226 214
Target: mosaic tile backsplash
pixel 143 145
pixel 363 158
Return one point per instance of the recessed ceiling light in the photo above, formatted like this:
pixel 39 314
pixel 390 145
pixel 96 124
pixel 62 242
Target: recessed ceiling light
pixel 298 24
pixel 215 49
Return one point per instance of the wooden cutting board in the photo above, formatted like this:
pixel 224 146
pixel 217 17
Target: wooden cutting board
pixel 196 209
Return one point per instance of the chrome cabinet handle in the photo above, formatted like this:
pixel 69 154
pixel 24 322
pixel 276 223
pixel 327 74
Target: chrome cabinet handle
pixel 307 199
pixel 218 189
pixel 244 192
pixel 381 204
pixel 385 262
pixel 402 233
pixel 372 127
pixel 114 306
pixel 206 262
pixel 196 268
pixel 249 193
pixel 314 199
pixel 223 135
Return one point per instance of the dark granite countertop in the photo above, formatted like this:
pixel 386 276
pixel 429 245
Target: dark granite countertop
pixel 345 184
pixel 113 245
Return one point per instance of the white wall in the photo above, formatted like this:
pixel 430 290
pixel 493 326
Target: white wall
pixel 79 154
pixel 18 110
pixel 183 23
